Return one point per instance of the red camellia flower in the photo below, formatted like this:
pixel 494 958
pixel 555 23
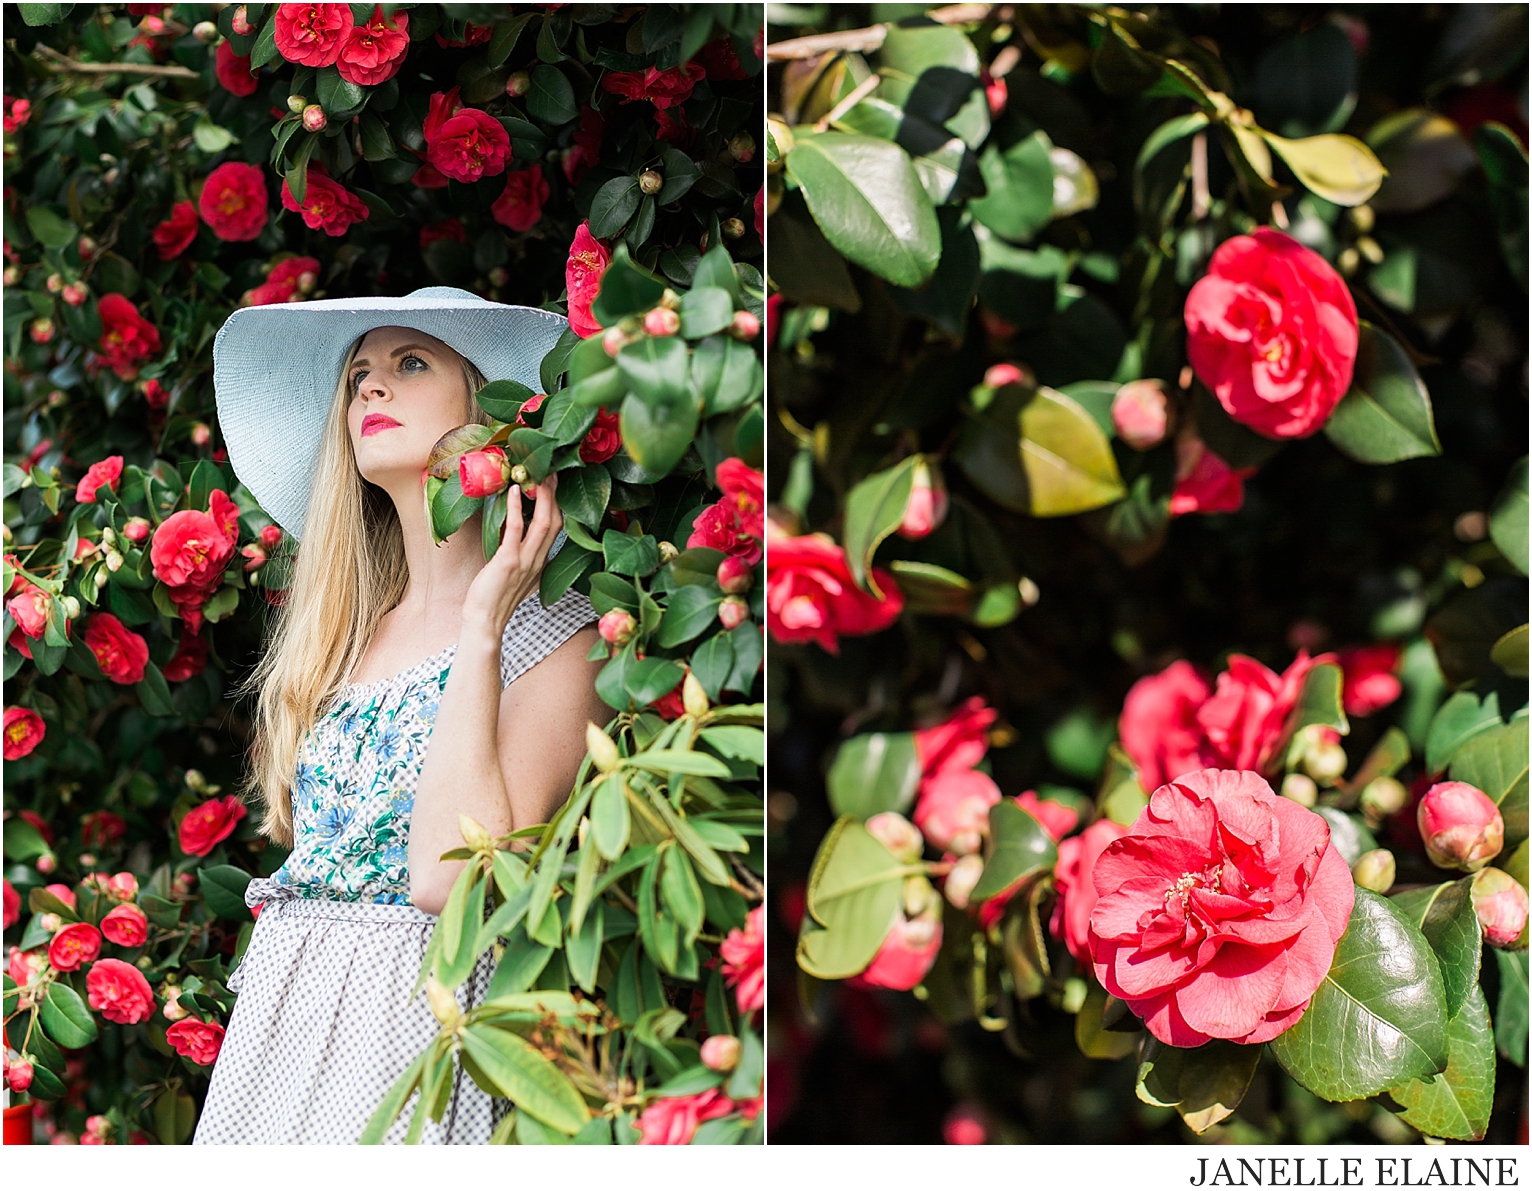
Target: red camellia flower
pixel 1158 726
pixel 1246 718
pixel 17 113
pixel 327 206
pixel 373 53
pixel 467 145
pixel 173 236
pixel 602 440
pixel 663 88
pixel 1369 683
pixel 743 952
pixel 119 992
pixel 24 731
pixel 233 200
pixel 811 596
pixel 120 652
pixel 284 283
pixel 199 1041
pixel 205 827
pixel 107 472
pixel 736 523
pixel 587 145
pixel 1058 820
pixel 671 127
pixel 444 229
pixel 73 945
pixel 127 338
pixel 126 925
pixel 952 809
pixel 190 659
pixel 588 259
pixel 233 72
pixel 472 35
pixel 1218 913
pixel 101 829
pixel 720 61
pixel 520 204
pixel 1076 890
pixel 190 550
pixel 12 903
pixel 1271 330
pixel 312 34
pixel 1204 482
pixel 673 1120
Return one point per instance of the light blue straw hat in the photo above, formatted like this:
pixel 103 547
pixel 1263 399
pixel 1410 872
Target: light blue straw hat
pixel 275 369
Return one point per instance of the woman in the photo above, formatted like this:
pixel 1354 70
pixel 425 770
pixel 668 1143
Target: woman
pixel 405 684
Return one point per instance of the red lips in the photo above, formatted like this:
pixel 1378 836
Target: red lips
pixel 372 423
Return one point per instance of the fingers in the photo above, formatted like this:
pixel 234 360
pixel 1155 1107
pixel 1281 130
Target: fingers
pixel 541 532
pixel 510 533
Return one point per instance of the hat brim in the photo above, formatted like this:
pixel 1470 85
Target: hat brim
pixel 275 369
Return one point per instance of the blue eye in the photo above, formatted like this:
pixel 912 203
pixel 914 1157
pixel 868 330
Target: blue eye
pixel 403 364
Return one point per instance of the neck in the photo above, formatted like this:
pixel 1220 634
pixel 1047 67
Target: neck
pixel 439 574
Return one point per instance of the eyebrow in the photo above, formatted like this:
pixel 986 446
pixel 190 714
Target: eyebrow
pixel 396 353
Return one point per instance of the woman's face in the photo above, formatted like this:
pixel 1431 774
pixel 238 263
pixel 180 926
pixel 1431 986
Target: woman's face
pixel 407 390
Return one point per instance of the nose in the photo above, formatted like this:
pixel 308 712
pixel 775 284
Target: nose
pixel 372 386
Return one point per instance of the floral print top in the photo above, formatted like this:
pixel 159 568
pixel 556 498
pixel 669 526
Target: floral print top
pixel 354 789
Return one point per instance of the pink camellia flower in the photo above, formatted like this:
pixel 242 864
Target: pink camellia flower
pixel 735 575
pixel 24 731
pixel 204 827
pixel 17 113
pixel 1158 726
pixel 1461 826
pixel 233 72
pixel 1058 820
pixel 952 808
pixel 12 903
pixel 190 551
pixel 737 522
pixel 588 259
pixel 907 953
pixel 468 145
pixel 673 1120
pixel 126 925
pixel 73 945
pixel 174 235
pixel 106 472
pixel 122 886
pixel 1204 482
pixel 744 961
pixel 1140 413
pixel 373 53
pixel 897 834
pixel 1246 718
pixel 63 893
pixel 25 966
pixel 1369 683
pixel 29 608
pixel 484 472
pixel 520 205
pixel 1272 331
pixel 927 506
pixel 233 201
pixel 199 1041
pixel 811 596
pixel 1501 904
pixel 617 627
pixel 1218 913
pixel 327 206
pixel 1076 890
pixel 120 652
pixel 312 34
pixel 18 1072
pixel 288 281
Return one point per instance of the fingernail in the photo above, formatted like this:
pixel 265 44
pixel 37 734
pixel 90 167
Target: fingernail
pixel 515 491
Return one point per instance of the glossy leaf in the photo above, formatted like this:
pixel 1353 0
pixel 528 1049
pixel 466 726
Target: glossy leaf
pixel 584 492
pixel 874 509
pixel 609 818
pixel 1386 416
pixel 1456 1103
pixel 223 886
pixel 66 1017
pixel 1020 185
pixel 875 772
pixel 1511 1006
pixel 1458 720
pixel 854 893
pixel 657 435
pixel 1094 1041
pixel 1508 519
pixel 1340 169
pixel 1496 762
pixel 1067 459
pixel 1445 915
pixel 626 289
pixel 551 99
pixel 1020 847
pixel 1204 1085
pixel 705 310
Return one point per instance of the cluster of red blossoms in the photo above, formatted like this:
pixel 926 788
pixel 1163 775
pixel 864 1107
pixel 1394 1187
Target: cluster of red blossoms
pixel 190 551
pixel 463 144
pixel 127 337
pixel 322 35
pixel 811 595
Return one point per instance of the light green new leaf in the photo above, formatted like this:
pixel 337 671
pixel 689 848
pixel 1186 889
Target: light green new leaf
pixel 1338 168
pixel 1068 461
pixel 874 509
pixel 874 772
pixel 854 894
pixel 523 1076
pixel 1510 652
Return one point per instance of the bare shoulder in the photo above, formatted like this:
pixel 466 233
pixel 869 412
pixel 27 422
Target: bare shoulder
pixel 562 683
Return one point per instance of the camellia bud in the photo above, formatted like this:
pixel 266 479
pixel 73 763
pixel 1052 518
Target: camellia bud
pixel 42 330
pixel 745 326
pixel 1382 797
pixel 444 1006
pixel 735 575
pixel 296 104
pixel 662 322
pixel 742 147
pixel 1301 789
pixel 1322 756
pixel 997 376
pixel 75 294
pixel 474 834
pixel 100 579
pixel 960 882
pixel 693 698
pixel 1374 870
pixel 498 276
pixel 55 282
pixel 314 118
pixel 721 1052
pixel 18 1073
pixel 201 434
pixel 650 182
pixel 484 472
pixel 46 863
pixel 12 275
pixel 113 561
pixel 136 529
pixel 1141 414
pixel 927 505
pixel 195 781
pixel 518 84
pixel 50 922
pixel 732 229
pixel 520 476
pixel 733 612
pixel 897 834
pixel 173 1010
pixel 617 627
pixel 255 557
pixel 602 749
pixel 206 32
pixel 87 247
pixel 240 22
pixel 670 300
pixel 669 552
pixel 1462 828
pixel 57 398
pixel 70 607
pixel 1501 904
pixel 271 536
pixel 920 896
pixel 613 339
pixel 306 282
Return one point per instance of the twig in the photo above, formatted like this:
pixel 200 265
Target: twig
pixel 1202 201
pixel 862 40
pixel 866 87
pixel 59 62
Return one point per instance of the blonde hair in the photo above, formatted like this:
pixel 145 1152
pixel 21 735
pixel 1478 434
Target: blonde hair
pixel 349 573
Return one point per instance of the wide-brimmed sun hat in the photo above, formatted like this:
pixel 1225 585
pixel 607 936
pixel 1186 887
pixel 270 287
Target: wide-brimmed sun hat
pixel 275 369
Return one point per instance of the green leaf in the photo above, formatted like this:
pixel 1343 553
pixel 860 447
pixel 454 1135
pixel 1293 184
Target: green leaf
pixel 584 493
pixel 551 100
pixel 1457 721
pixel 1175 129
pixel 1445 915
pixel 567 421
pixel 503 399
pixel 1379 1018
pixel 727 374
pixel 223 888
pixel 874 509
pixel 1204 1085
pixel 23 842
pixel 53 230
pixel 609 818
pixel 1094 1041
pixel 655 369
pixel 1019 180
pixel 657 435
pixel 1340 169
pixel 393 1102
pixel 1496 762
pixel 868 200
pixel 681 895
pixel 691 609
pixel 626 289
pixel 705 310
pixel 875 772
pixel 679 760
pixel 67 1018
pixel 1456 1102
pixel 1386 416
pixel 265 49
pixel 1320 700
pixel 1510 652
pixel 336 94
pixel 35 15
pixel 651 678
pixel 738 740
pixel 565 569
pixel 175 1113
pixel 1021 847
pixel 1511 1007
pixel 854 893
pixel 1508 519
pixel 716 269
pixel 629 555
pixel 613 206
pixel 153 691
pixel 523 1076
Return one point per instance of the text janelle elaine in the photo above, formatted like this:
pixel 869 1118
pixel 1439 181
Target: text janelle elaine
pixel 1353 1172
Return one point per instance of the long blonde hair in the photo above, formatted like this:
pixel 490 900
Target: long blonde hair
pixel 350 571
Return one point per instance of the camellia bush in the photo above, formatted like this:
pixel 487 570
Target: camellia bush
pixel 165 164
pixel 1147 555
